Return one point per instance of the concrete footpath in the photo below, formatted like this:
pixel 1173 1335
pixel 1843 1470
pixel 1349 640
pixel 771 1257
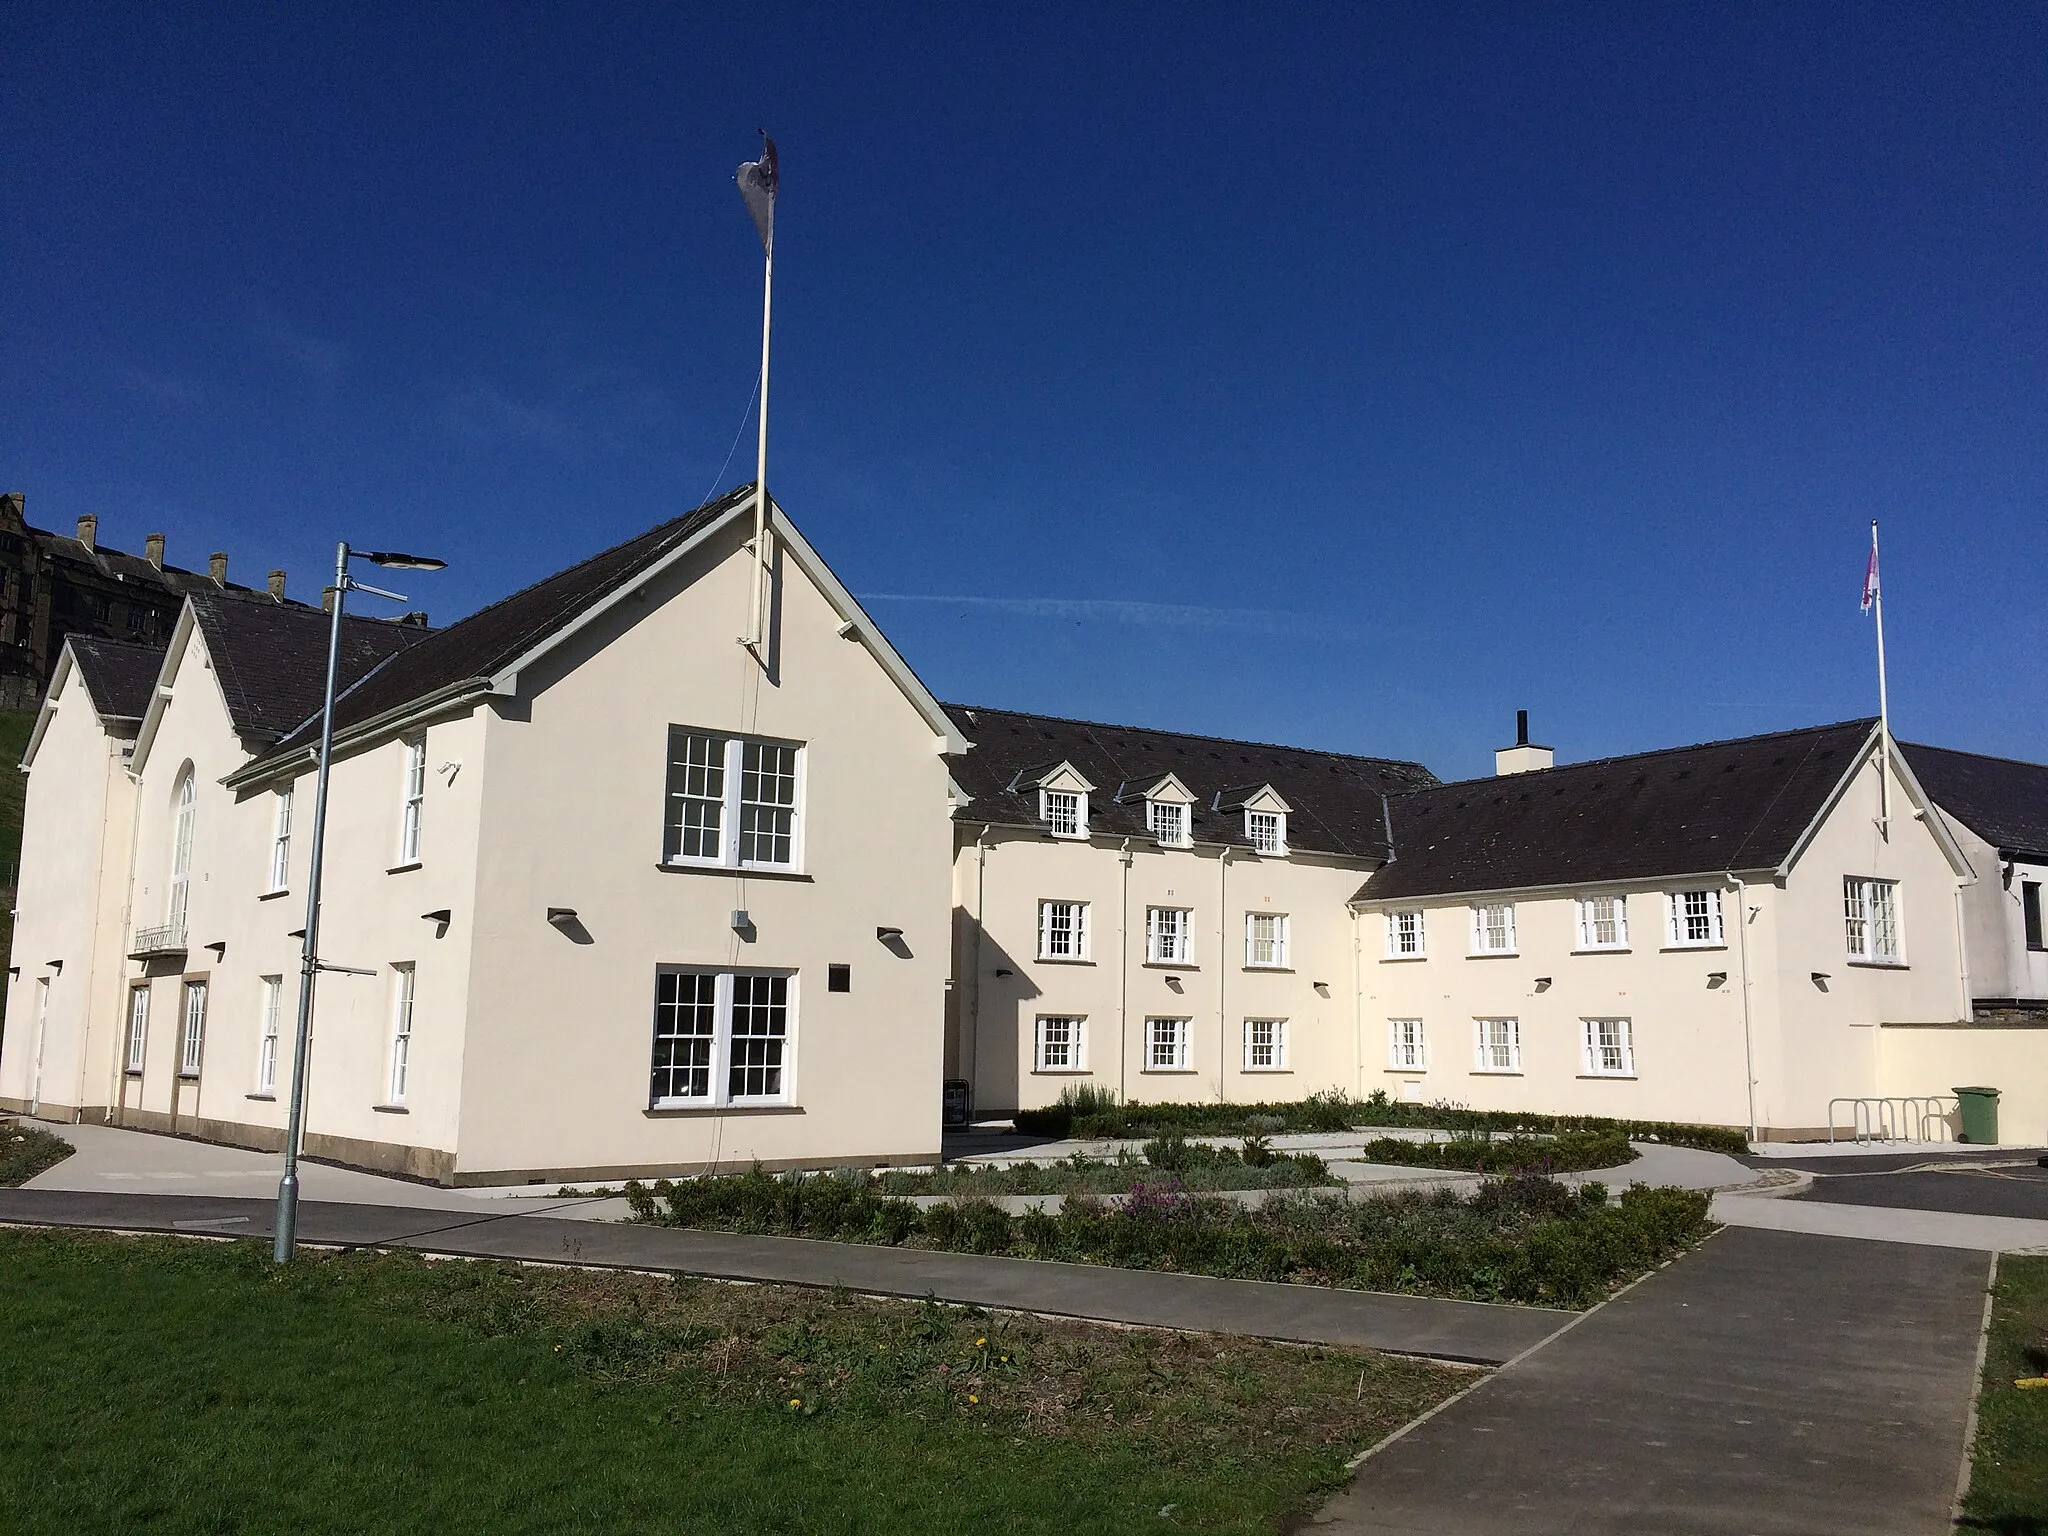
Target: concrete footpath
pixel 1473 1332
pixel 1769 1384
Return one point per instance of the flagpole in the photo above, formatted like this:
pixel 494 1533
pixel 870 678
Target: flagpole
pixel 757 625
pixel 1884 726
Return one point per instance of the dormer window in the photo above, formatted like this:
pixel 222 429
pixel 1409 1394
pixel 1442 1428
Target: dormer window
pixel 1266 831
pixel 1167 820
pixel 1065 811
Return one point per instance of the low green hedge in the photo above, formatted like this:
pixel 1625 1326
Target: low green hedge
pixel 1517 1239
pixel 1567 1152
pixel 1099 1117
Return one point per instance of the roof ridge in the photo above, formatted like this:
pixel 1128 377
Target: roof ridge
pixel 1632 757
pixel 1982 757
pixel 1229 741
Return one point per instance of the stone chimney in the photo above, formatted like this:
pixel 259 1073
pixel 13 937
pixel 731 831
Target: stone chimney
pixel 13 507
pixel 277 586
pixel 217 567
pixel 1522 757
pixel 89 530
pixel 153 550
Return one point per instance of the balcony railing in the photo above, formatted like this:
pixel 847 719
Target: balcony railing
pixel 169 939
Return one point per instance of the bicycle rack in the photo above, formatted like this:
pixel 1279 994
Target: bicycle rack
pixel 1910 1117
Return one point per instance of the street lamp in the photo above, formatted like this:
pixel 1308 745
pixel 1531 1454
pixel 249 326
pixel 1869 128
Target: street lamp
pixel 287 1225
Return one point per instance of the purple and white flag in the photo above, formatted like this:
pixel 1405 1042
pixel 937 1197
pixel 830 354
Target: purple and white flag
pixel 757 180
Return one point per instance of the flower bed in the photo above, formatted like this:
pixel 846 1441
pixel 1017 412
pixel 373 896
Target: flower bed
pixel 1255 1165
pixel 26 1150
pixel 1524 1238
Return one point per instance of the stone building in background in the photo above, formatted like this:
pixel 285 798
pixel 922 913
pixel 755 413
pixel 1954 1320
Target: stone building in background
pixel 53 585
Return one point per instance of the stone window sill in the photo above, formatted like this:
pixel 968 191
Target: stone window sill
pixel 390 1109
pixel 689 1111
pixel 399 869
pixel 261 1098
pixel 273 895
pixel 742 871
pixel 1879 965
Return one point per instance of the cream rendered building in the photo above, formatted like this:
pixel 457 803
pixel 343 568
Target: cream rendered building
pixel 630 900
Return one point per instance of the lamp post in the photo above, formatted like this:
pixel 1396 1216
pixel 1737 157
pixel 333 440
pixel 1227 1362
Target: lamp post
pixel 287 1225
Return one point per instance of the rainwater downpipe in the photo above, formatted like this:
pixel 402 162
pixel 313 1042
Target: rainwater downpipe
pixel 1123 972
pixel 970 1026
pixel 1748 1043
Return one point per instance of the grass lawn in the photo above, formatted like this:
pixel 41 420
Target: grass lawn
pixel 26 1149
pixel 2009 1462
pixel 165 1385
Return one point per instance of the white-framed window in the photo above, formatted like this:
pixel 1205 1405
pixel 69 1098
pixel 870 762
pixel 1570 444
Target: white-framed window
pixel 1166 1045
pixel 1603 922
pixel 1056 1043
pixel 722 1037
pixel 281 840
pixel 1265 940
pixel 733 801
pixel 1065 811
pixel 138 1027
pixel 1493 928
pixel 1693 919
pixel 415 800
pixel 1499 1045
pixel 1265 1045
pixel 1404 934
pixel 1063 930
pixel 266 1038
pixel 181 854
pixel 1167 820
pixel 1168 935
pixel 1610 1049
pixel 193 1046
pixel 1870 919
pixel 400 1073
pixel 1407 1051
pixel 1266 831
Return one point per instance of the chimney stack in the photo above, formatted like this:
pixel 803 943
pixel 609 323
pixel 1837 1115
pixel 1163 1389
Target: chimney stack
pixel 89 530
pixel 153 549
pixel 13 507
pixel 1522 757
pixel 217 567
pixel 277 586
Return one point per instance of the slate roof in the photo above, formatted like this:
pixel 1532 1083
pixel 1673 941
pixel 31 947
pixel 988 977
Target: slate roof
pixel 170 581
pixel 119 674
pixel 476 647
pixel 271 658
pixel 1734 805
pixel 2002 800
pixel 1336 798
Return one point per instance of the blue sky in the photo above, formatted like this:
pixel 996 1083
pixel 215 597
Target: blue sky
pixel 1342 375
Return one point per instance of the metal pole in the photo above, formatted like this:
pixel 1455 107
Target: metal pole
pixel 286 1234
pixel 757 624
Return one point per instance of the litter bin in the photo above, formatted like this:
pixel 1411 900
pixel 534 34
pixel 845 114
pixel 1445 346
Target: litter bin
pixel 1979 1115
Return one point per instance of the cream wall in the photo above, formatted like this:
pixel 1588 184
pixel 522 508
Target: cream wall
pixel 556 1070
pixel 1922 1061
pixel 72 886
pixel 997 896
pixel 1994 925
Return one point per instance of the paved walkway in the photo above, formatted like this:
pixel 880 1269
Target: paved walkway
pixel 1448 1330
pixel 1882 1224
pixel 1769 1384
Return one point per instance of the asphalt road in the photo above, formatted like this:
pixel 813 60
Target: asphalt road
pixel 2018 1190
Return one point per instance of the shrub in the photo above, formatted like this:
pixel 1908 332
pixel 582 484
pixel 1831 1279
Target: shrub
pixel 1568 1152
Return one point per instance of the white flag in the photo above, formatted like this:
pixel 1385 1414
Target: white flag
pixel 757 180
pixel 1870 573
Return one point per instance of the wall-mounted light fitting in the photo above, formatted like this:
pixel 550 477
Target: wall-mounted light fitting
pixel 740 921
pixel 444 916
pixel 1820 979
pixel 1002 971
pixel 886 935
pixel 1542 983
pixel 561 917
pixel 1717 979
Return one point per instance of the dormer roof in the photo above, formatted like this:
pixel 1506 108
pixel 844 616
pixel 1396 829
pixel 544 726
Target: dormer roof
pixel 1252 797
pixel 1165 787
pixel 1061 775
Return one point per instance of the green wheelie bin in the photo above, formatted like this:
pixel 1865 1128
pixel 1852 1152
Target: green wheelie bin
pixel 1979 1115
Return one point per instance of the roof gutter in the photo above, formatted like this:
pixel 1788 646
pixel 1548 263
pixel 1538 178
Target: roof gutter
pixel 1626 883
pixel 265 769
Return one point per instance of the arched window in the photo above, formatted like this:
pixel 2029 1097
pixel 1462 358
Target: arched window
pixel 181 852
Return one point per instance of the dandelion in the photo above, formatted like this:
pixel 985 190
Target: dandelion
pixel 796 1402
pixel 972 1398
pixel 979 1343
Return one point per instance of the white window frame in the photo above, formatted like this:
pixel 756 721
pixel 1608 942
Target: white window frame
pixel 1607 1048
pixel 1179 836
pixel 719 1058
pixel 281 839
pixel 1169 942
pixel 1065 819
pixel 268 1027
pixel 1274 945
pixel 1680 914
pixel 192 1033
pixel 1407 1046
pixel 1073 1055
pixel 412 799
pixel 138 1029
pixel 1589 922
pixel 1167 1043
pixel 1267 1038
pixel 185 813
pixel 404 997
pixel 1482 930
pixel 1074 929
pixel 1403 925
pixel 1870 907
pixel 1496 1041
pixel 728 796
pixel 1266 831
